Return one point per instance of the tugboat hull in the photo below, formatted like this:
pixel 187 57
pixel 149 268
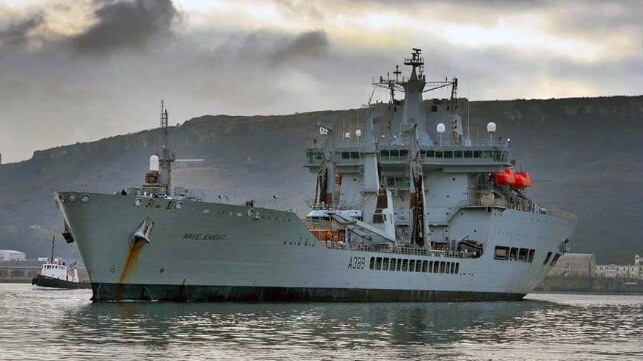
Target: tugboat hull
pixel 44 281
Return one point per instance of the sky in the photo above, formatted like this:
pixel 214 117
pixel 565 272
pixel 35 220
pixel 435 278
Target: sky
pixel 77 71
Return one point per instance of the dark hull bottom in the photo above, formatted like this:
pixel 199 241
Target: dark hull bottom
pixel 103 292
pixel 44 281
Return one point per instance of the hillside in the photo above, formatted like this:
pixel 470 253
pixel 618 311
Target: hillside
pixel 585 154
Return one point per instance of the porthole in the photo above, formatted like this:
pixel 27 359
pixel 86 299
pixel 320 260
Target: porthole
pixel 84 198
pixel 138 202
pixel 206 211
pixel 71 197
pixel 178 205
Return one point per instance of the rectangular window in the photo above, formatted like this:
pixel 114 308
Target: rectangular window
pixel 523 255
pixel 556 257
pixel 385 264
pixel 418 266
pixel 384 153
pixel 436 267
pixel 425 266
pixel 513 254
pixel 371 265
pixel 442 266
pixel 399 265
pixel 430 266
pixel 532 252
pixel 346 155
pixel 392 265
pixel 394 153
pixel 355 155
pixel 502 253
pixel 405 265
pixel 453 267
pixel 468 154
pixel 547 258
pixel 457 268
pixel 404 153
pixel 412 265
pixel 430 153
pixel 378 263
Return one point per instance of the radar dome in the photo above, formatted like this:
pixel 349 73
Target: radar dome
pixel 347 135
pixel 154 163
pixel 358 133
pixel 491 127
pixel 441 128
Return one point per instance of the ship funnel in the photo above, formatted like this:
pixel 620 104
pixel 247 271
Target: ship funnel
pixel 154 163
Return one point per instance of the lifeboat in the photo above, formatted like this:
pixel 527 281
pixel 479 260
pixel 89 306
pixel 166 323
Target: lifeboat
pixel 522 180
pixel 505 178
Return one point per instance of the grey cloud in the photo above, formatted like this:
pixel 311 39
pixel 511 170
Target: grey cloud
pixel 228 71
pixel 309 44
pixel 15 35
pixel 126 25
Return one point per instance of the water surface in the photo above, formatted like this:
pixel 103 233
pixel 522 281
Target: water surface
pixel 38 324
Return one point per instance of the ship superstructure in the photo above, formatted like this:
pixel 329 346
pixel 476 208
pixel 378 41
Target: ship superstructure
pixel 400 213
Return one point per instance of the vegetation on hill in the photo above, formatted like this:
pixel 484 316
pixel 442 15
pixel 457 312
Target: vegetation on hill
pixel 584 153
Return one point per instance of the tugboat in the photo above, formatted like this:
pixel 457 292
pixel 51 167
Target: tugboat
pixel 56 273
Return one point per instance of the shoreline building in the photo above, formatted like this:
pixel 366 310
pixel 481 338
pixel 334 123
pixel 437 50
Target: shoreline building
pixel 574 265
pixel 11 255
pixel 630 271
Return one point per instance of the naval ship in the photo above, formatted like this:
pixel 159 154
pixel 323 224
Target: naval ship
pixel 401 213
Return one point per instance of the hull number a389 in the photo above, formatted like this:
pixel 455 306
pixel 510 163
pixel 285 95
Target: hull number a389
pixel 356 263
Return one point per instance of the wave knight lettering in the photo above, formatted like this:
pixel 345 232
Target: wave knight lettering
pixel 203 236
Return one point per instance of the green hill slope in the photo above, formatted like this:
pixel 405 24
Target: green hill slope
pixel 585 155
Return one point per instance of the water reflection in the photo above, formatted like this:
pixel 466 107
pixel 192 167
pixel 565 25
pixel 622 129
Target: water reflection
pixel 325 326
pixel 579 327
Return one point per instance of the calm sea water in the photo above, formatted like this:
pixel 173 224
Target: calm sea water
pixel 41 324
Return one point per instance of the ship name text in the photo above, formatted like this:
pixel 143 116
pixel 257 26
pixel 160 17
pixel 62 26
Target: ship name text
pixel 203 236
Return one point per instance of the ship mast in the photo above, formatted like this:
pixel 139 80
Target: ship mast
pixel 53 240
pixel 166 157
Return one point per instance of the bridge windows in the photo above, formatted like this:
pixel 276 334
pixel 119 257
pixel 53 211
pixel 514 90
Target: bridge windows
pixel 530 258
pixel 351 155
pixel 547 258
pixel 503 253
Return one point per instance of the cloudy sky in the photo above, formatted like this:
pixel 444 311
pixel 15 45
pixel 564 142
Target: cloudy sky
pixel 75 71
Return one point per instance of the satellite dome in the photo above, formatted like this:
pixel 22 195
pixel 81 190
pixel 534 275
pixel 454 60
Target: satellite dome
pixel 154 163
pixel 491 127
pixel 358 133
pixel 441 128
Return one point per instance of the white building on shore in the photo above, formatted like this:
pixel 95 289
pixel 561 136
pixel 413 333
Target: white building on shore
pixel 11 255
pixel 632 272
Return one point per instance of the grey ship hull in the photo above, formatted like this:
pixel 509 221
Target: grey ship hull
pixel 220 252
